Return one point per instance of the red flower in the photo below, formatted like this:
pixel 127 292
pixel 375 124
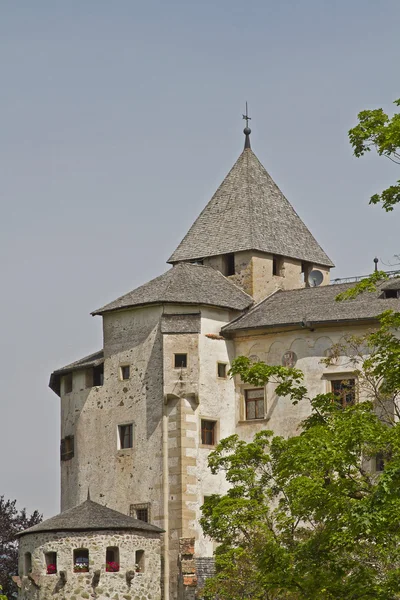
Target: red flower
pixel 112 567
pixel 51 569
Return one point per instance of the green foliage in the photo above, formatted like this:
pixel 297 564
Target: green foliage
pixel 365 285
pixel 2 597
pixel 376 129
pixel 307 517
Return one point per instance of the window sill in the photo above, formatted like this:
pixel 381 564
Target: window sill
pixel 124 451
pixel 250 421
pixel 208 446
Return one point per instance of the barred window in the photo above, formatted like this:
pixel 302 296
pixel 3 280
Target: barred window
pixel 345 391
pixel 208 432
pixel 140 511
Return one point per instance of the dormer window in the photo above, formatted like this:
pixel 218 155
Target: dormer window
pixel 391 293
pixel 230 264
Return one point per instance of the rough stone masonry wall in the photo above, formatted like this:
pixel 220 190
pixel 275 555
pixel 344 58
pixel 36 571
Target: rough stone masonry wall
pixel 97 583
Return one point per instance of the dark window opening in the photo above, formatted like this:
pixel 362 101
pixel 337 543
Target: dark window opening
pixel 391 293
pixel 198 261
pixel 125 372
pixel 208 431
pixel 277 266
pixel 112 559
pixel 379 462
pixel 51 563
pixel 27 563
pixel 68 383
pixel 140 511
pixel 98 375
pixel 81 560
pixel 125 433
pixel 139 561
pixel 67 447
pixel 345 391
pixel 222 370
pixel 254 404
pixel 230 264
pixel 180 361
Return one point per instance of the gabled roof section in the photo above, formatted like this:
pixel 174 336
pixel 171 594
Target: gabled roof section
pixel 316 305
pixel 184 284
pixel 249 212
pixel 91 516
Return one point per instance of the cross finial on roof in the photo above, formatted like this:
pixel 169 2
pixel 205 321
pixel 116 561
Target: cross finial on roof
pixel 247 130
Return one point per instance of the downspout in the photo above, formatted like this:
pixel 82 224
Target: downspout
pixel 165 485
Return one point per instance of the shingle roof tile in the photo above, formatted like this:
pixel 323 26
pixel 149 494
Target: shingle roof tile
pixel 185 284
pixel 314 305
pixel 249 212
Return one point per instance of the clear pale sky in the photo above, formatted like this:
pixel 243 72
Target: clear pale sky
pixel 119 120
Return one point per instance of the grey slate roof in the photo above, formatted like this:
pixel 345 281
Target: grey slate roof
pixel 185 284
pixel 316 305
pixel 93 360
pixel 249 212
pixel 91 516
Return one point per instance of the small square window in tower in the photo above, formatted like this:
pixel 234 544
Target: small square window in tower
pixel 68 383
pixel 51 563
pixel 140 511
pixel 125 372
pixel 345 391
pixel 254 400
pixel 125 436
pixel 180 361
pixel 208 432
pixel 67 448
pixel 221 367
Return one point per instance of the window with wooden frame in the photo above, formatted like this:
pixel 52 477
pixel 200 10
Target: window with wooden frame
pixel 344 391
pixel 67 448
pixel 125 436
pixel 254 401
pixel 208 432
pixel 140 511
pixel 180 361
pixel 125 372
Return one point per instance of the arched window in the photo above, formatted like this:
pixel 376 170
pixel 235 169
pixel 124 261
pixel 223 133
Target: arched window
pixel 51 563
pixel 81 560
pixel 112 559
pixel 27 563
pixel 140 564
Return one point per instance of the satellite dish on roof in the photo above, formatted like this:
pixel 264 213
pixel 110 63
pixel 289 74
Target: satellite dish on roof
pixel 315 278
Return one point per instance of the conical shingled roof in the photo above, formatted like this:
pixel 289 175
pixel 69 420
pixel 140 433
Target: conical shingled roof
pixel 185 284
pixel 249 212
pixel 91 516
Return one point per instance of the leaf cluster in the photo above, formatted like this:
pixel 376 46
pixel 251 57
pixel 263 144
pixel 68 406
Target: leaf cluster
pixel 375 129
pixel 12 521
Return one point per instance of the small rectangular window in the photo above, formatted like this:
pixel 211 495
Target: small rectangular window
pixel 345 391
pixel 222 370
pixel 277 266
pixel 51 563
pixel 27 563
pixel 125 433
pixel 112 559
pixel 67 448
pixel 230 264
pixel 140 511
pixel 254 400
pixel 81 560
pixel 180 361
pixel 98 375
pixel 125 372
pixel 68 383
pixel 140 565
pixel 208 432
pixel 379 462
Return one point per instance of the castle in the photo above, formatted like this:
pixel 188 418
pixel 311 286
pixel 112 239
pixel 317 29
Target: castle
pixel 140 416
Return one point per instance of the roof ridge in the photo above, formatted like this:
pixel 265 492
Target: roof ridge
pixel 251 309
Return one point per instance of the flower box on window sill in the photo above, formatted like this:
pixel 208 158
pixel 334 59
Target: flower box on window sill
pixel 112 567
pixel 51 569
pixel 81 569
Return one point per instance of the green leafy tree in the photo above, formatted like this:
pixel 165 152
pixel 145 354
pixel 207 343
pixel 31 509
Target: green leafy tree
pixel 375 129
pixel 307 517
pixel 2 597
pixel 12 521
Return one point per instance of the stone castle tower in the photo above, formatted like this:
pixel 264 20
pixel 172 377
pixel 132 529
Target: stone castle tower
pixel 139 417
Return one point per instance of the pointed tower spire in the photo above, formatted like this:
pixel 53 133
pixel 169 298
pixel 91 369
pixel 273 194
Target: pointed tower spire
pixel 247 130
